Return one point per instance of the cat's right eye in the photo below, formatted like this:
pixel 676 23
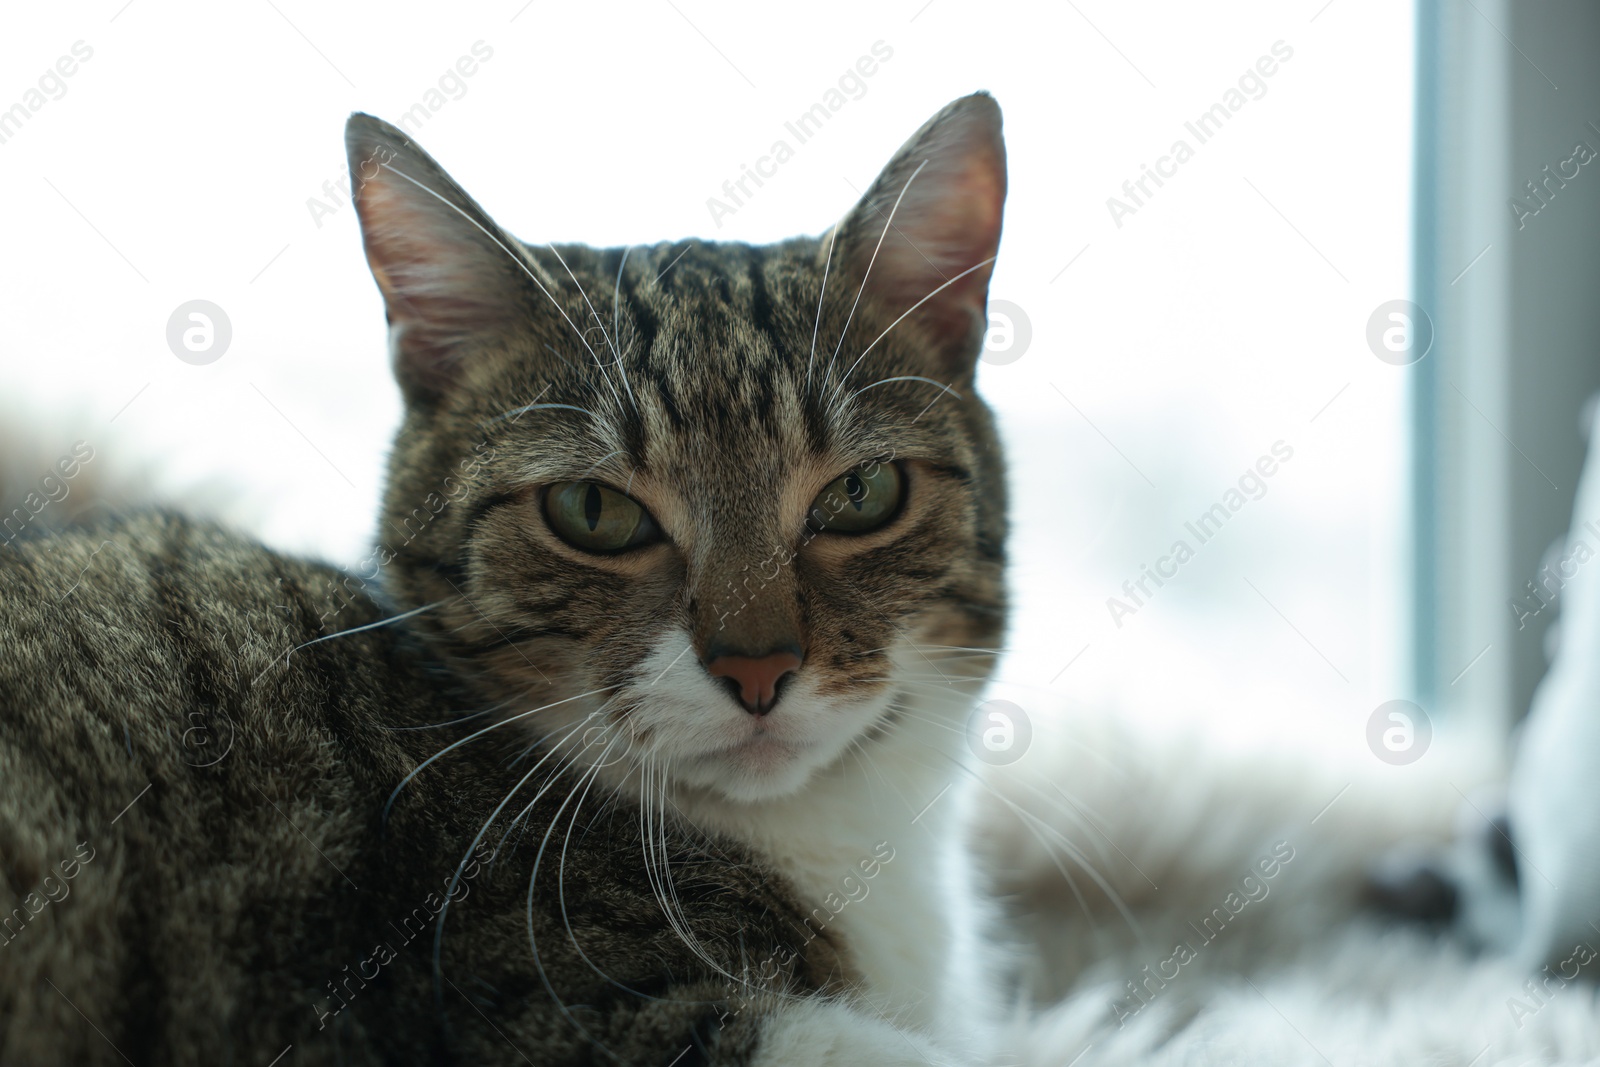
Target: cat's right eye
pixel 860 501
pixel 595 518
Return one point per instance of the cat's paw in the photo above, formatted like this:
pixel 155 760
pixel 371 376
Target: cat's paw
pixel 830 1033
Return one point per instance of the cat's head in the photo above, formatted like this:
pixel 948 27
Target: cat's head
pixel 724 510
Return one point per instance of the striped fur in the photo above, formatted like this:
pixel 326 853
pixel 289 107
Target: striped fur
pixel 239 894
pixel 708 382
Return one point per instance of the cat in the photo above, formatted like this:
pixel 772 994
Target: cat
pixel 641 736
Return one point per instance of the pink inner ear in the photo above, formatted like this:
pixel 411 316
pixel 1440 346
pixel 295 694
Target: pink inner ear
pixel 947 223
pixel 427 258
pixel 937 237
pixel 441 277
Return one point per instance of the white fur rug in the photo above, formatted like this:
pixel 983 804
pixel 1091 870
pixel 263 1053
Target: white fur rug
pixel 1289 969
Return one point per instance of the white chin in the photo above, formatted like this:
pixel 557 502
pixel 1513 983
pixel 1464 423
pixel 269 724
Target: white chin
pixel 761 769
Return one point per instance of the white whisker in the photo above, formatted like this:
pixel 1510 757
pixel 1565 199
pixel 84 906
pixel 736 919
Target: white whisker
pixel 517 413
pixel 658 868
pixel 518 260
pixel 491 709
pixel 616 294
pixel 561 891
pixel 833 235
pixel 585 475
pixel 937 290
pixel 905 378
pixel 609 342
pixel 868 272
pixel 533 943
pixel 470 737
pixel 1036 826
pixel 438 933
pixel 391 620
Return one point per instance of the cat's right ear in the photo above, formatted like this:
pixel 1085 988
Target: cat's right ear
pixel 447 273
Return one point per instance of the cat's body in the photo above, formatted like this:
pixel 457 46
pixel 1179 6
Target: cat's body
pixel 770 458
pixel 240 878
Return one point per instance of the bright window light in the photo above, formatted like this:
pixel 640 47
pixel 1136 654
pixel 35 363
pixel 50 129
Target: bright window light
pixel 1207 206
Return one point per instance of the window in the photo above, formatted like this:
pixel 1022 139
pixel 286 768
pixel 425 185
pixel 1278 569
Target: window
pixel 1507 264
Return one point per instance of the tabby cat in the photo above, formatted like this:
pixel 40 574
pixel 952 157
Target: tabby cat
pixel 632 742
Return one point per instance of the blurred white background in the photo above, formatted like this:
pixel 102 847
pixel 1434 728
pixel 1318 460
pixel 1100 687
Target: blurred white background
pixel 1167 354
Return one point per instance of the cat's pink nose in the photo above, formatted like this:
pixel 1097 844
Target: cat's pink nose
pixel 755 676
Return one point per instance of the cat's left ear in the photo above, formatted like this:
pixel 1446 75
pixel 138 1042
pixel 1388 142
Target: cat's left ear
pixel 925 235
pixel 450 277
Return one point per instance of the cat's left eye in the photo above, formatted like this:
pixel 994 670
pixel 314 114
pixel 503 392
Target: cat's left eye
pixel 596 518
pixel 863 500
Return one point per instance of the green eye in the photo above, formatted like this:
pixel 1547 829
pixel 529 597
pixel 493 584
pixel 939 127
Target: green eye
pixel 589 516
pixel 862 500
